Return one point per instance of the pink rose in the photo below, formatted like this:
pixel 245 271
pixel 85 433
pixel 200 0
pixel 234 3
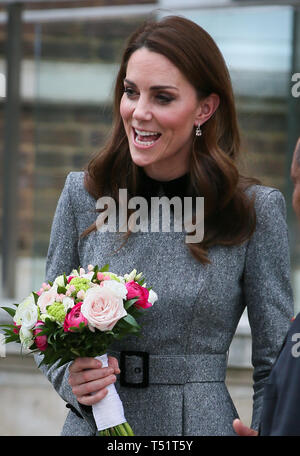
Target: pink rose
pixel 137 291
pixel 47 298
pixel 74 318
pixel 103 308
pixel 40 341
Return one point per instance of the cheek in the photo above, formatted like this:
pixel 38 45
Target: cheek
pixel 180 122
pixel 125 109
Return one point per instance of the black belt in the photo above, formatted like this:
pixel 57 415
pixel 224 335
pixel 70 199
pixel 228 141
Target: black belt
pixel 140 369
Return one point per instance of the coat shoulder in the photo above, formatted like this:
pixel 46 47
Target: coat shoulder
pixel 267 199
pixel 75 181
pixel 78 194
pixel 262 192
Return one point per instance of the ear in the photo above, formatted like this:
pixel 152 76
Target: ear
pixel 207 107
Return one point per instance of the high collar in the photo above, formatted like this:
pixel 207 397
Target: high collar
pixel 175 187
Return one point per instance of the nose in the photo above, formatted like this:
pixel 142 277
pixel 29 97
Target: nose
pixel 142 110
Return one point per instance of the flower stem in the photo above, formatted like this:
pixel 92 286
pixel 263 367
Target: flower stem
pixel 128 429
pixel 123 429
pixel 116 428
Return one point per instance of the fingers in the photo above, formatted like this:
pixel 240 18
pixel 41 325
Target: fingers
pixel 243 430
pixel 92 392
pixel 113 362
pixel 89 375
pixel 91 363
pixel 84 363
pixel 88 379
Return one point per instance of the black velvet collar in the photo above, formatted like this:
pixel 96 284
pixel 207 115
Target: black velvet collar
pixel 175 187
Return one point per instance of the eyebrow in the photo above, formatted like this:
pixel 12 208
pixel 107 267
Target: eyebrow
pixel 156 87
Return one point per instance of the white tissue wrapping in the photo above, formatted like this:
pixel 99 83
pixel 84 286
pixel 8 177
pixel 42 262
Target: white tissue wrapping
pixel 109 411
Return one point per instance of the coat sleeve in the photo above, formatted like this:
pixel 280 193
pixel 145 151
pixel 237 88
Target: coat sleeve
pixel 63 257
pixel 267 289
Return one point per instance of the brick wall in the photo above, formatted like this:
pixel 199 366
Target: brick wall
pixel 263 124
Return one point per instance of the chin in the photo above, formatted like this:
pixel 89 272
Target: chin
pixel 141 160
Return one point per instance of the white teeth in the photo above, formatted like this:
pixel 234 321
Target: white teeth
pixel 146 133
pixel 144 143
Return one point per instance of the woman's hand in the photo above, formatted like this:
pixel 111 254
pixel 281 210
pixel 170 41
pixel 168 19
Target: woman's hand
pixel 87 376
pixel 243 430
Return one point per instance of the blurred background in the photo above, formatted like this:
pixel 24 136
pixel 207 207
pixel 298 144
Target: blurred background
pixel 58 62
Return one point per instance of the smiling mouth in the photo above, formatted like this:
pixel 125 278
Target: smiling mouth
pixel 145 138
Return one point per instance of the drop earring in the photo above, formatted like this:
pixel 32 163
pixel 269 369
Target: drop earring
pixel 198 130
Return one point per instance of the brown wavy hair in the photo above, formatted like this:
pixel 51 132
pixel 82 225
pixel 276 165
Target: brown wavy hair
pixel 229 214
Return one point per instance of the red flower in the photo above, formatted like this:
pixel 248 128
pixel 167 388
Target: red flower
pixel 74 318
pixel 40 341
pixel 134 290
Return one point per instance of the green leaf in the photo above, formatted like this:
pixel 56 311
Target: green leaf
pixel 130 303
pixel 75 352
pixel 96 269
pixel 105 268
pixel 36 297
pixel 9 310
pixel 73 329
pixel 132 321
pixel 12 338
pixel 61 290
pixel 8 326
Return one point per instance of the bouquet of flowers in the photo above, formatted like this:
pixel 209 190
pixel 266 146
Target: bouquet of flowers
pixel 81 315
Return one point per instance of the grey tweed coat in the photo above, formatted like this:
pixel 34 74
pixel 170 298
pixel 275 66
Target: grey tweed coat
pixel 189 329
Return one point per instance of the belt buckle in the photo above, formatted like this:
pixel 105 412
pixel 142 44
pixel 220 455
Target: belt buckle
pixel 124 369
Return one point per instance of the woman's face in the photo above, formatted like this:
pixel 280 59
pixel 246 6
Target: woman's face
pixel 159 109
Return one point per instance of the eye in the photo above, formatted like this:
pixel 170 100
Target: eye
pixel 130 92
pixel 163 98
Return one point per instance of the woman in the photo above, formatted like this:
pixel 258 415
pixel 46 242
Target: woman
pixel 175 131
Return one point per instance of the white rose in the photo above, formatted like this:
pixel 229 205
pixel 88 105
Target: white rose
pixel 118 288
pixel 152 297
pixel 102 308
pixel 26 337
pixel 89 275
pixel 59 281
pixel 26 313
pixel 68 303
pixel 47 298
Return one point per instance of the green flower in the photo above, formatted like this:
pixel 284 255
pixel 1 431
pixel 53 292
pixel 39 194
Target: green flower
pixel 57 311
pixel 112 276
pixel 80 283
